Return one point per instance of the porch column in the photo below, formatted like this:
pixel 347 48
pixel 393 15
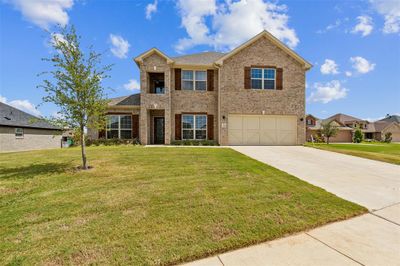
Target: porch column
pixel 143 126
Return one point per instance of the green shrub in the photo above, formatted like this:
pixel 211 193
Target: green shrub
pixel 388 137
pixel 358 136
pixel 111 142
pixel 189 142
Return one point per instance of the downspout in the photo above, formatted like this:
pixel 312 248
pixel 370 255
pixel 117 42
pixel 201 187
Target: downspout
pixel 219 103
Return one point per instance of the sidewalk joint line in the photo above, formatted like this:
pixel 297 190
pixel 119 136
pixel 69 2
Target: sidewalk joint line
pixel 391 205
pixel 377 215
pixel 334 249
pixel 220 260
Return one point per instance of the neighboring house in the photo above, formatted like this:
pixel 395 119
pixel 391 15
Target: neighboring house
pixel 20 131
pixel 348 124
pixel 253 95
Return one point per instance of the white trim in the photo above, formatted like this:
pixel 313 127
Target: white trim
pixel 263 78
pixel 139 58
pixel 194 126
pixel 119 125
pixel 193 80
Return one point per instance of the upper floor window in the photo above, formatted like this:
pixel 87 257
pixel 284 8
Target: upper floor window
pixel 119 126
pixel 19 133
pixel 194 126
pixel 263 78
pixel 194 80
pixel 309 122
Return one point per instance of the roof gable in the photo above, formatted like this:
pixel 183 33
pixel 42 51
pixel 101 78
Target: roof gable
pixel 139 59
pixel 274 40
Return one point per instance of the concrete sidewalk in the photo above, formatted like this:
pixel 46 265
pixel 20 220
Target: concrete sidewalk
pixel 370 239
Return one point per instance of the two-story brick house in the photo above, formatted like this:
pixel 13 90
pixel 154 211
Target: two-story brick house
pixel 253 95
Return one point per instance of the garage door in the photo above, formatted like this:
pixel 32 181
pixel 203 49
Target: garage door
pixel 262 130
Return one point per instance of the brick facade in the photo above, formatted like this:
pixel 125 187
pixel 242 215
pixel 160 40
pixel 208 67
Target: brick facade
pixel 228 95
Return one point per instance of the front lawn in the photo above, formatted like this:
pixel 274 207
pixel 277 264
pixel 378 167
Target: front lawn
pixel 149 205
pixel 384 152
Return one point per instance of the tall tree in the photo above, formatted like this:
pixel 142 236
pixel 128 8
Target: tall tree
pixel 329 129
pixel 75 84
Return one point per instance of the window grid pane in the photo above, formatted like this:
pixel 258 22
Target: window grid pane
pixel 256 73
pixel 188 121
pixel 187 74
pixel 200 85
pixel 269 84
pixel 187 85
pixel 201 122
pixel 201 75
pixel 126 122
pixel 188 134
pixel 269 73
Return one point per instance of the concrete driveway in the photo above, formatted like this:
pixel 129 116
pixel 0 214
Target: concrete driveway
pixel 372 184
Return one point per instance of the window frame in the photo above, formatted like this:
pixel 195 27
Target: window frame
pixel 194 126
pixel 19 135
pixel 194 79
pixel 263 77
pixel 119 129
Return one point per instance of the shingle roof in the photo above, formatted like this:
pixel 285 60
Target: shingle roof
pixel 205 58
pixel 133 99
pixel 10 116
pixel 342 118
pixel 391 118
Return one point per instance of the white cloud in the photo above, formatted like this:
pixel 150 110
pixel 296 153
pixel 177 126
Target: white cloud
pixel 390 10
pixel 348 73
pixel 150 9
pixel 337 23
pixel 364 26
pixel 329 67
pixel 132 85
pixel 232 23
pixel 361 65
pixel 24 105
pixel 44 12
pixel 119 46
pixel 328 92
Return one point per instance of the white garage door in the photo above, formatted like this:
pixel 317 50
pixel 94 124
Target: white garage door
pixel 262 130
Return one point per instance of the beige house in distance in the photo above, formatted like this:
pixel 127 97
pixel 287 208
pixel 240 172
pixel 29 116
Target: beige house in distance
pixel 348 124
pixel 253 95
pixel 20 131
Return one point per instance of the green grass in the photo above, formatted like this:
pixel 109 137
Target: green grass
pixel 147 206
pixel 384 152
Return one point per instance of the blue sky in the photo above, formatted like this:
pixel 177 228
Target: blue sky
pixel 353 45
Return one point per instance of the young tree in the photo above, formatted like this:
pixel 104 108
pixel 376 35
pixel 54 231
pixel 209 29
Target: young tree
pixel 329 130
pixel 358 136
pixel 75 84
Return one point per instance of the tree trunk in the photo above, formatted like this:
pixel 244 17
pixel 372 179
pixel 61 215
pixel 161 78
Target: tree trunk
pixel 83 149
pixel 327 140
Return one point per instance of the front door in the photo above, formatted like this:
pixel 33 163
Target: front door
pixel 158 130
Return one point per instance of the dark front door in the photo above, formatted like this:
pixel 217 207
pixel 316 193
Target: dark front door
pixel 158 130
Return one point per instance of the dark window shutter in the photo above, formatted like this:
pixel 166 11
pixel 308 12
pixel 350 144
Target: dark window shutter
pixel 210 127
pixel 102 134
pixel 177 79
pixel 279 78
pixel 247 80
pixel 178 126
pixel 135 126
pixel 210 80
